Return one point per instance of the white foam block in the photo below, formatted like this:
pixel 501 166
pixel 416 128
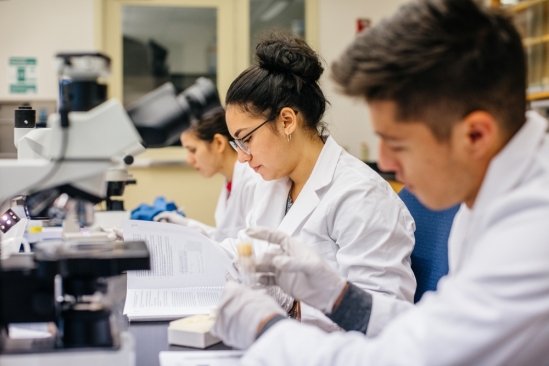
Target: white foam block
pixel 193 331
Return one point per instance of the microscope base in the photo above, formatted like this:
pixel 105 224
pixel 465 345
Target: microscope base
pixel 124 356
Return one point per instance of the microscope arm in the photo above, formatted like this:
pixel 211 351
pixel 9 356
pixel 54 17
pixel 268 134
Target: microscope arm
pixel 96 140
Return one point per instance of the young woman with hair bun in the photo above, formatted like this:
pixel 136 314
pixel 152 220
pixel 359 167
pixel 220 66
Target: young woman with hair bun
pixel 209 152
pixel 313 190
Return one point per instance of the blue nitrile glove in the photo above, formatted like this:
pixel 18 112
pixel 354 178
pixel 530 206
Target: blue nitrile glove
pixel 147 213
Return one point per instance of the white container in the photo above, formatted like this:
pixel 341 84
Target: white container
pixel 193 331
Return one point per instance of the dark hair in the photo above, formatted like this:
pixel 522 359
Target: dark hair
pixel 209 125
pixel 286 75
pixel 440 60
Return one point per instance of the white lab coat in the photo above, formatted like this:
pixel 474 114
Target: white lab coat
pixel 232 209
pixel 351 217
pixel 493 306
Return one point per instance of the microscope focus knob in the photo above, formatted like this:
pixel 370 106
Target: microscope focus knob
pixel 128 159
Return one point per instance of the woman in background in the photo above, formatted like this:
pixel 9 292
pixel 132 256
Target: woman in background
pixel 209 152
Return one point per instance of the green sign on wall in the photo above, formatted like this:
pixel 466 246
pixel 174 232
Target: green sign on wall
pixel 22 75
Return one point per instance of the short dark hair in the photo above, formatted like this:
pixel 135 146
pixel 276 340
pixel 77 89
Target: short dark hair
pixel 440 60
pixel 286 75
pixel 209 125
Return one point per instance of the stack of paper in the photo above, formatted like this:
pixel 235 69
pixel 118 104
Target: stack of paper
pixel 201 358
pixel 193 331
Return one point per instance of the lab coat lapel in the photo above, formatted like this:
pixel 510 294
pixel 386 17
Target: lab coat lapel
pixel 270 207
pixel 308 198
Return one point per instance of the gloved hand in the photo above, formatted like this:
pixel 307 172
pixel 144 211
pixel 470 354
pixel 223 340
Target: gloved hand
pixel 282 298
pixel 228 275
pixel 240 312
pixel 299 270
pixel 116 235
pixel 174 218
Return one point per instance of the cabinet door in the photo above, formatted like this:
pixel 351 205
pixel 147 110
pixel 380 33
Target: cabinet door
pixel 155 41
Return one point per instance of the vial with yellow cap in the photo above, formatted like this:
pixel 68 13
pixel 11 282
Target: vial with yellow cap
pixel 246 263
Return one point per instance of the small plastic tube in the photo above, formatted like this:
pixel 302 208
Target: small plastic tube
pixel 246 263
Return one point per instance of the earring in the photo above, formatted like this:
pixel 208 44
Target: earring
pixel 289 137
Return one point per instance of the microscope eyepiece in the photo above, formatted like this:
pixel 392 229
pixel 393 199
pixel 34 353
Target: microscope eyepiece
pixel 161 116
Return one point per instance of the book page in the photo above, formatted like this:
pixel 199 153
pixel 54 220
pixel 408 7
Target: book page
pixel 187 273
pixel 180 257
pixel 143 304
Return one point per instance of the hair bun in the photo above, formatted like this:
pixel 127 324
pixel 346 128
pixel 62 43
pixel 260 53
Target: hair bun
pixel 287 53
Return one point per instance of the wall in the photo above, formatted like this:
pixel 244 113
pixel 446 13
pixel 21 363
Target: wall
pixel 42 28
pixel 348 119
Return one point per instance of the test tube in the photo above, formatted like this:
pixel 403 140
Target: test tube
pixel 246 263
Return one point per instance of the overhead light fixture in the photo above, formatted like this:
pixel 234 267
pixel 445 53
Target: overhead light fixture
pixel 274 10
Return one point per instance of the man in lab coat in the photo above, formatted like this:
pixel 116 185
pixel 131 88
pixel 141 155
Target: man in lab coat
pixel 444 80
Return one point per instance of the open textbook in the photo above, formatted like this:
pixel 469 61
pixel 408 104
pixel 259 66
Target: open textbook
pixel 187 273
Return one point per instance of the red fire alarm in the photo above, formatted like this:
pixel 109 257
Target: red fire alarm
pixel 362 23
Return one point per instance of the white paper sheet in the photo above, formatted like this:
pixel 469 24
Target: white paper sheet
pixel 187 272
pixel 29 331
pixel 200 358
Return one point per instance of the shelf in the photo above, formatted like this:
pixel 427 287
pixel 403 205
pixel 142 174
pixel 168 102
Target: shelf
pixel 539 95
pixel 523 5
pixel 535 40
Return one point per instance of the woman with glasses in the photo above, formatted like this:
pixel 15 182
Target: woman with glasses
pixel 209 152
pixel 313 190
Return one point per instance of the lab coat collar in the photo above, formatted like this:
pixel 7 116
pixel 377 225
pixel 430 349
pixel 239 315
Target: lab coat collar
pixel 238 172
pixel 321 176
pixel 324 170
pixel 510 165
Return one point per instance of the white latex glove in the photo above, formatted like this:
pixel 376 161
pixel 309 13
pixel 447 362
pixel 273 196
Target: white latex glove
pixel 283 299
pixel 228 275
pixel 174 218
pixel 240 312
pixel 116 235
pixel 299 270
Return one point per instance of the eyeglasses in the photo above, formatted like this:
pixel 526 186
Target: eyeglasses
pixel 240 144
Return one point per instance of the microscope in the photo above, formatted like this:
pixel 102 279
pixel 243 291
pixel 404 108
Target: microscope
pixel 63 283
pixel 158 119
